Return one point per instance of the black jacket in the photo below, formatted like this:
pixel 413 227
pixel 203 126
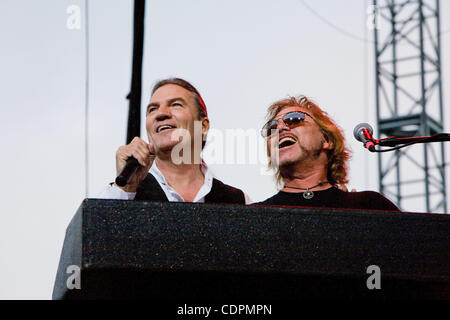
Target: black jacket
pixel 150 190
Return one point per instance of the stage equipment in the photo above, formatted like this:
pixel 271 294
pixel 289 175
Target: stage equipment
pixel 119 249
pixel 409 100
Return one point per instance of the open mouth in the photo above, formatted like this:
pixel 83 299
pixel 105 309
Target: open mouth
pixel 164 127
pixel 286 142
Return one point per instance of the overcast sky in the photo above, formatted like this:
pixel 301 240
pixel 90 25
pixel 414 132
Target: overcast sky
pixel 241 55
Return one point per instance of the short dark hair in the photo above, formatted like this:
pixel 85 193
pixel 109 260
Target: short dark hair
pixel 201 107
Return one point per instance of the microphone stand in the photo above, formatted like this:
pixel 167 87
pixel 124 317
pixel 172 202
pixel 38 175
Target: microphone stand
pixel 407 141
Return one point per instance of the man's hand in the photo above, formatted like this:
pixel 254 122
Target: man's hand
pixel 144 154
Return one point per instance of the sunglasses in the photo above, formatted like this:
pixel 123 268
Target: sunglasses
pixel 290 119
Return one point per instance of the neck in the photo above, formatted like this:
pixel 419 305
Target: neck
pixel 304 176
pixel 194 154
pixel 180 174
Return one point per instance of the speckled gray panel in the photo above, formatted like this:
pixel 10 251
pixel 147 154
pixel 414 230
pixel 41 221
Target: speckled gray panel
pixel 132 249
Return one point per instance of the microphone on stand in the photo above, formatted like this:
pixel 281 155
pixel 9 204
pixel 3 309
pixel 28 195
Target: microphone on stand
pixel 363 132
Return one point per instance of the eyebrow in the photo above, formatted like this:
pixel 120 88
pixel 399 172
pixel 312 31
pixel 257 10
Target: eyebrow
pixel 170 101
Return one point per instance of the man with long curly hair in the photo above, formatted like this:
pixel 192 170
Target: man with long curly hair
pixel 307 151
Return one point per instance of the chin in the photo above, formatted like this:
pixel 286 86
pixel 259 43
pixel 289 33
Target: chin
pixel 165 146
pixel 288 158
pixel 286 162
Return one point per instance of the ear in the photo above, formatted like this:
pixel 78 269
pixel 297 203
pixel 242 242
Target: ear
pixel 326 144
pixel 205 125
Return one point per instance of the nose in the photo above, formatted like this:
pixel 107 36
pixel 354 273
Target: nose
pixel 163 113
pixel 281 126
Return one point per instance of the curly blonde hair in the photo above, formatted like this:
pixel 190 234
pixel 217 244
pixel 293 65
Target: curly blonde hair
pixel 338 155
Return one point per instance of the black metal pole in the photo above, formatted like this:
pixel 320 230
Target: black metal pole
pixel 134 113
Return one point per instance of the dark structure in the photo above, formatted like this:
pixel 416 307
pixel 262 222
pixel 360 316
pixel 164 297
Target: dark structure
pixel 409 100
pixel 134 111
pixel 186 251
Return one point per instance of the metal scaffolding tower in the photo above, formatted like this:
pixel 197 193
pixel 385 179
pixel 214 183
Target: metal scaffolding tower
pixel 409 101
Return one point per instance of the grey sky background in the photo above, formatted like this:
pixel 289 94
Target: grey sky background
pixel 241 55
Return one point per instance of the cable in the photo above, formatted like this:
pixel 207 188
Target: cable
pixel 366 96
pixel 86 106
pixel 344 32
pixel 332 25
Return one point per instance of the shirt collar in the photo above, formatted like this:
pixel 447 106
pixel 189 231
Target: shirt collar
pixel 204 190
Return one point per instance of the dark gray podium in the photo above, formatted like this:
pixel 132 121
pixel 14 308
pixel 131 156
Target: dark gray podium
pixel 184 251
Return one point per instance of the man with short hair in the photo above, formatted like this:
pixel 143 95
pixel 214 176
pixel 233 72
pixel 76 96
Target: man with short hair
pixel 176 116
pixel 308 153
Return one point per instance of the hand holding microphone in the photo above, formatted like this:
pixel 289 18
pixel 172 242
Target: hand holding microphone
pixel 133 161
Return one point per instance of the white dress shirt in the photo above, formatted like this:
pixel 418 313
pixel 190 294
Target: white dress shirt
pixel 113 192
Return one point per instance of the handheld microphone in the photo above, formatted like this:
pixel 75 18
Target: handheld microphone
pixel 363 132
pixel 127 172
